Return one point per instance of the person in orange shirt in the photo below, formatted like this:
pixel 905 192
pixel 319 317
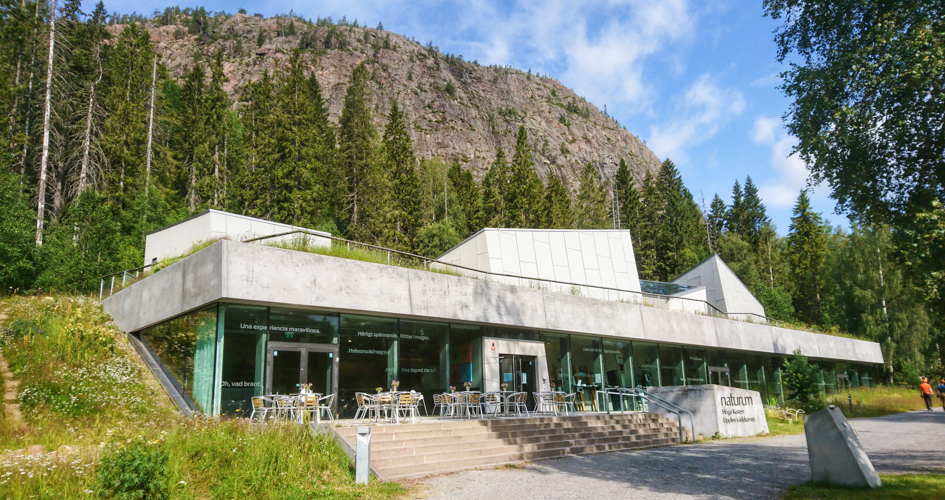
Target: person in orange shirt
pixel 926 391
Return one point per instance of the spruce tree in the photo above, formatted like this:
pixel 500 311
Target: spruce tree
pixel 557 205
pixel 592 206
pixel 648 224
pixel 806 253
pixel 525 190
pixel 623 183
pixel 465 201
pixel 495 192
pixel 367 182
pixel 680 235
pixel 717 218
pixel 405 187
pixel 754 213
pixel 736 214
pixel 297 191
pixel 256 182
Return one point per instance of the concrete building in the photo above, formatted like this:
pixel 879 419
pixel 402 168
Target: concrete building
pixel 723 289
pixel 237 319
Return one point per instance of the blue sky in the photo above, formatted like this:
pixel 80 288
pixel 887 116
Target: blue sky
pixel 695 79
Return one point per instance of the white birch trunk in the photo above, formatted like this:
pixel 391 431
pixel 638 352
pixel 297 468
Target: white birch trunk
pixel 41 198
pixel 86 142
pixel 147 162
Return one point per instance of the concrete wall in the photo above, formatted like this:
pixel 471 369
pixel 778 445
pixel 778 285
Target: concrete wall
pixel 178 238
pixel 597 258
pixel 242 272
pixel 723 288
pixel 491 380
pixel 730 411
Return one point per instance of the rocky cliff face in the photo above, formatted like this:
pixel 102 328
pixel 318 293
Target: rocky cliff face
pixel 460 111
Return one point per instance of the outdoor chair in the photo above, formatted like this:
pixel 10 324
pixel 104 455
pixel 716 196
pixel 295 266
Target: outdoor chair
pixel 262 406
pixel 454 404
pixel 285 408
pixel 325 404
pixel 407 404
pixel 385 403
pixel 517 402
pixel 560 402
pixel 473 404
pixel 420 401
pixel 308 407
pixel 544 403
pixel 492 402
pixel 438 403
pixel 367 405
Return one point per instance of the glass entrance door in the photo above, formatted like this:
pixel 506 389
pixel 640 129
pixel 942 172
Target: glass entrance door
pixel 719 375
pixel 289 365
pixel 519 373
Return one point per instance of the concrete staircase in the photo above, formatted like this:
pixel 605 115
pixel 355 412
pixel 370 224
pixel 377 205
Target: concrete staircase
pixel 402 451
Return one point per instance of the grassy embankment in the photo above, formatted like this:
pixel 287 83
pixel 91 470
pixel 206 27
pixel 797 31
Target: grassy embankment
pixel 871 402
pixel 91 407
pixel 895 487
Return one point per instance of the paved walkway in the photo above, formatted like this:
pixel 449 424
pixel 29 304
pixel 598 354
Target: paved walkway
pixel 738 468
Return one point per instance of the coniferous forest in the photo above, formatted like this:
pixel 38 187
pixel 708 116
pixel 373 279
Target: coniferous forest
pixel 102 146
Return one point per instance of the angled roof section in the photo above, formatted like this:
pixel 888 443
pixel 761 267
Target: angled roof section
pixel 723 288
pixel 601 258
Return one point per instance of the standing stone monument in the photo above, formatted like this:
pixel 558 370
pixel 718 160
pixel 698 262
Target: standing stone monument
pixel 730 411
pixel 836 455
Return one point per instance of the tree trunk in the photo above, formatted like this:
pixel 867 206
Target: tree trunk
pixel 147 156
pixel 86 142
pixel 41 197
pixel 216 173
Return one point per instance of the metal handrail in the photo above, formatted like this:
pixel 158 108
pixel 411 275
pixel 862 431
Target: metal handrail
pixel 712 309
pixel 426 260
pixel 649 398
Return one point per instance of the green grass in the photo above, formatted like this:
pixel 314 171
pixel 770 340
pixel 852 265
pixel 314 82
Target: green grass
pixel 895 487
pixel 84 390
pixel 781 427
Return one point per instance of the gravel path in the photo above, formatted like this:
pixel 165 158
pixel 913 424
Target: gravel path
pixel 738 468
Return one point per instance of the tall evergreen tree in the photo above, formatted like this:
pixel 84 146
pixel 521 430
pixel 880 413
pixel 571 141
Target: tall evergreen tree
pixel 623 183
pixel 557 205
pixel 680 236
pixel 717 218
pixel 592 206
pixel 647 226
pixel 495 212
pixel 256 181
pixel 525 191
pixel 405 187
pixel 755 215
pixel 806 252
pixel 465 201
pixel 358 148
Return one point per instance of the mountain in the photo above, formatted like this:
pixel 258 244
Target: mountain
pixel 459 110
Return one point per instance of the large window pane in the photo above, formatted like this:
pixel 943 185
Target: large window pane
pixel 586 370
pixel 465 356
pixel 186 346
pixel 244 357
pixel 754 367
pixel 830 377
pixel 618 370
pixel 646 365
pixel 671 365
pixel 558 354
pixel 368 356
pixel 739 370
pixel 773 381
pixel 424 361
pixel 297 325
pixel 695 364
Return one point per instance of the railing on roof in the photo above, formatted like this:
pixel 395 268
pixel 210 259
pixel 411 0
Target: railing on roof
pixel 407 259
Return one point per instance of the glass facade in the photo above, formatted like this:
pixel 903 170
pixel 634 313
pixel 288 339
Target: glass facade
pixel 220 356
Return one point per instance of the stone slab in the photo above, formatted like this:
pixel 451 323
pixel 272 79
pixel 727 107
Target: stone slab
pixel 836 455
pixel 730 411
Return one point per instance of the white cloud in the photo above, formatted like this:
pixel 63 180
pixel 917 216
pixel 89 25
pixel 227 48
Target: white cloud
pixel 781 190
pixel 703 111
pixel 771 80
pixel 763 132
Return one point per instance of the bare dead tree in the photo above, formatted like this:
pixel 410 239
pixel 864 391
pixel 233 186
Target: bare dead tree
pixel 147 168
pixel 41 198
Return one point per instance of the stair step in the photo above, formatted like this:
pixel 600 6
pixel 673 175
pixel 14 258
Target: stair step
pixel 407 471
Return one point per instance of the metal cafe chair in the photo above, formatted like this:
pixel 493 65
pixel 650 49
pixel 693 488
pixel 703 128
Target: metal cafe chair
pixel 367 406
pixel 308 406
pixel 285 407
pixel 454 404
pixel 492 402
pixel 562 404
pixel 325 404
pixel 407 404
pixel 517 402
pixel 385 403
pixel 438 403
pixel 263 406
pixel 544 403
pixel 473 404
pixel 420 400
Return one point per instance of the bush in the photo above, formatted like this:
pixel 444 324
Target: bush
pixel 800 378
pixel 132 471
